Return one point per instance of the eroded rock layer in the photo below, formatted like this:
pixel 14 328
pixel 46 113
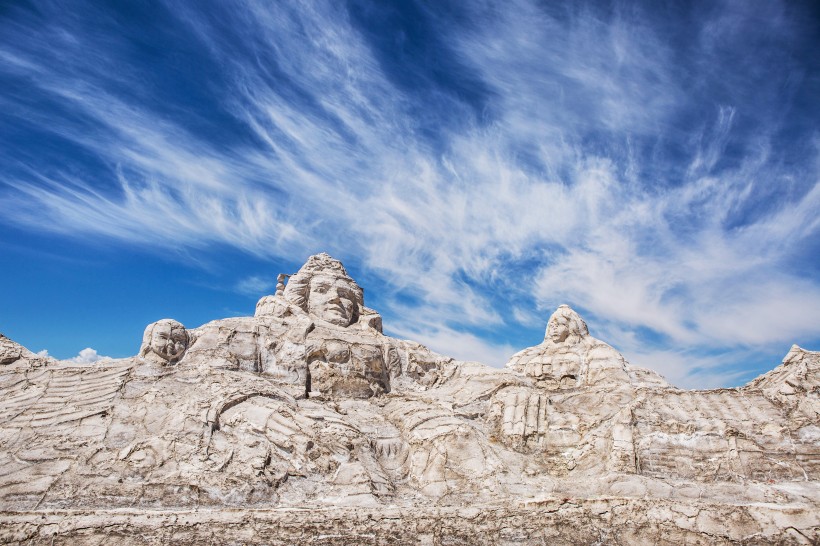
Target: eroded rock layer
pixel 305 423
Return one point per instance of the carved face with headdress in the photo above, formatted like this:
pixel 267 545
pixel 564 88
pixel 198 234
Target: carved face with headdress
pixel 323 288
pixel 565 324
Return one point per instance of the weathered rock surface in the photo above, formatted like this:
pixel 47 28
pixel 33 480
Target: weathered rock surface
pixel 305 423
pixel 14 355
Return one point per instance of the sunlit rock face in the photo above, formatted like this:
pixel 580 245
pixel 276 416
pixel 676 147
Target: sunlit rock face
pixel 570 358
pixel 573 408
pixel 306 419
pixel 14 355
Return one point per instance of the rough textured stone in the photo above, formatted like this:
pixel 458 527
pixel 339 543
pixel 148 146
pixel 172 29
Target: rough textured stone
pixel 305 423
pixel 16 355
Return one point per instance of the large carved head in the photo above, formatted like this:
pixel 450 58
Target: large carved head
pixel 565 325
pixel 323 288
pixel 164 341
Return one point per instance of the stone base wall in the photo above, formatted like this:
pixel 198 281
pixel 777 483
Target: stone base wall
pixel 556 522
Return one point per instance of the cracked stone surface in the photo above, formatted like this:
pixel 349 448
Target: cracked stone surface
pixel 305 423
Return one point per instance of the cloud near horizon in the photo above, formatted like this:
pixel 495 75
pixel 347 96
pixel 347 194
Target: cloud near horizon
pixel 655 168
pixel 87 356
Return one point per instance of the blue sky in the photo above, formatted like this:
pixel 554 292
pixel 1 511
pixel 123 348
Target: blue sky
pixel 474 165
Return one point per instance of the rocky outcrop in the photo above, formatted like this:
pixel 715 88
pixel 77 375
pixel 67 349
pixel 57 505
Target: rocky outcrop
pixel 306 423
pixel 15 355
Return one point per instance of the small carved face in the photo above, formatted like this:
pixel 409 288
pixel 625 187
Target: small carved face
pixel 333 299
pixel 169 340
pixel 558 329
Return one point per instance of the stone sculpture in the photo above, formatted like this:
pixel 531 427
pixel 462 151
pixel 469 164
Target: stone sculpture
pixel 305 423
pixel 280 284
pixel 164 342
pixel 323 289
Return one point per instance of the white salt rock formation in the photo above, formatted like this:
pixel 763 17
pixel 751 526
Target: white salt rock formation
pixel 306 424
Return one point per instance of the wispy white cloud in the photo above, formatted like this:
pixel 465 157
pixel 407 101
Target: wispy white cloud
pixel 449 341
pixel 558 195
pixel 527 317
pixel 255 286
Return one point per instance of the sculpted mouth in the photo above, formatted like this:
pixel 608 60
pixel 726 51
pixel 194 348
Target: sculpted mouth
pixel 339 309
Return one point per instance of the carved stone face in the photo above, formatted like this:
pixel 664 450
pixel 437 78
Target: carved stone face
pixel 333 299
pixel 565 326
pixel 558 329
pixel 169 339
